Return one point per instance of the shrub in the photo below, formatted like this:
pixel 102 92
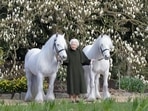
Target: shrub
pixel 20 84
pixel 6 86
pixel 132 84
pixel 11 86
pixel 15 85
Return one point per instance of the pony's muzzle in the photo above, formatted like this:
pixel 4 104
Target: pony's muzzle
pixel 106 57
pixel 64 57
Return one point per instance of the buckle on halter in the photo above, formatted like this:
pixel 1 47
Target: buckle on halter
pixel 59 60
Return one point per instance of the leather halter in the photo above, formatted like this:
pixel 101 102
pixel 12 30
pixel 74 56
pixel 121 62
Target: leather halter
pixel 57 51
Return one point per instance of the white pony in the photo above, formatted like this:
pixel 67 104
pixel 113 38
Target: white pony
pixel 100 52
pixel 40 63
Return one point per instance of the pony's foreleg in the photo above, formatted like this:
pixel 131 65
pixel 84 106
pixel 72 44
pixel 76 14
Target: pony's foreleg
pixel 40 94
pixel 28 96
pixel 97 86
pixel 91 96
pixel 87 79
pixel 106 93
pixel 50 94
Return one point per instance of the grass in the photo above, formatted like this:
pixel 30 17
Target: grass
pixel 65 105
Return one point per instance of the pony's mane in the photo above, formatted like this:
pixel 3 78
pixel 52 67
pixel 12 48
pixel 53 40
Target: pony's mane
pixel 103 38
pixel 49 42
pixel 49 45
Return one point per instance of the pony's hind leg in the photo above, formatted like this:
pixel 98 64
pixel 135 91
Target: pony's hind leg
pixel 91 96
pixel 97 86
pixel 40 94
pixel 106 93
pixel 87 78
pixel 28 96
pixel 50 93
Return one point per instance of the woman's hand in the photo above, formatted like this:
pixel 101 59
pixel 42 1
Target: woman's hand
pixel 92 60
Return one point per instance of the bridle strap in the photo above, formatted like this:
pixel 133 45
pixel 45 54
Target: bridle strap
pixel 103 50
pixel 57 51
pixel 100 59
pixel 60 51
pixel 102 53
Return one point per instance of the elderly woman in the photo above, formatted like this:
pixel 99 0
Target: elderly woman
pixel 76 84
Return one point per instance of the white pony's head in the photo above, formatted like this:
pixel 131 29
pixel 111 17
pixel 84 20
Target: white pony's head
pixel 105 46
pixel 60 46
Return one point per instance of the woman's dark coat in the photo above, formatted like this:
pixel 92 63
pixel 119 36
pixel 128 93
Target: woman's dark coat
pixel 75 74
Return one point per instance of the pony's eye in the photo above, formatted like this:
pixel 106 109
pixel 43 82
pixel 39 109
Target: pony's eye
pixel 58 45
pixel 101 45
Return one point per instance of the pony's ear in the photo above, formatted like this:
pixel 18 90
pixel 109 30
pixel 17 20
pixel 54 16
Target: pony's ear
pixel 113 47
pixel 102 35
pixel 64 35
pixel 109 35
pixel 57 34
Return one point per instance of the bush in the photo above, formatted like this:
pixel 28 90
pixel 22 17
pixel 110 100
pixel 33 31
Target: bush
pixel 132 84
pixel 11 86
pixel 15 85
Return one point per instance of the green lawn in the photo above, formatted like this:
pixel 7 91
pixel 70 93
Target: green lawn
pixel 65 105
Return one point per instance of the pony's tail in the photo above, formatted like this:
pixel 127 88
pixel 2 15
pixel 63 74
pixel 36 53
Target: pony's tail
pixel 27 56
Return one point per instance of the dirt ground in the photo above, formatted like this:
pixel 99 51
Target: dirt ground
pixel 117 95
pixel 123 96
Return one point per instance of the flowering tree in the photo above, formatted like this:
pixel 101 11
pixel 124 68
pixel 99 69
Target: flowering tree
pixel 26 24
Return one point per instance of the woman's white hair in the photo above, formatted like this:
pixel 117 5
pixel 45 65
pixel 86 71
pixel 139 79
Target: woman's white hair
pixel 74 40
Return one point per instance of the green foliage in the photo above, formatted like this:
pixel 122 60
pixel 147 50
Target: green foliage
pixel 64 105
pixel 11 86
pixel 107 104
pixel 1 56
pixel 15 85
pixel 131 84
pixel 140 105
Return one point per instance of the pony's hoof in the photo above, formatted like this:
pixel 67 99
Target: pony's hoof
pixel 85 96
pixel 39 100
pixel 107 96
pixel 28 99
pixel 98 97
pixel 90 99
pixel 50 98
